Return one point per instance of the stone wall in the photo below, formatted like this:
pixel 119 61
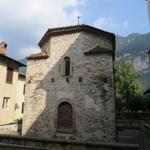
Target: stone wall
pixel 92 98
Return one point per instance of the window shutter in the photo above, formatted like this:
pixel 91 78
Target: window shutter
pixel 9 77
pixel 22 109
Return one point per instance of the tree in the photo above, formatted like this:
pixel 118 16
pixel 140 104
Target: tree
pixel 127 84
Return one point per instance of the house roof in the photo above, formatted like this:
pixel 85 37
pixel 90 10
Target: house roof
pixel 76 28
pixel 42 55
pixel 12 60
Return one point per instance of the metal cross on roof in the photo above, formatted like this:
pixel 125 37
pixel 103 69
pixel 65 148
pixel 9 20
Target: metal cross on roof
pixel 78 20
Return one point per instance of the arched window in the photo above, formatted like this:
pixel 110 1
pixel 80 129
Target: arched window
pixel 65 116
pixel 67 66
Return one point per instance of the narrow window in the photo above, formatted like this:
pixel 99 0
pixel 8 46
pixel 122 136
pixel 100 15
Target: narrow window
pixel 24 89
pixel 67 66
pixel 9 77
pixel 5 103
pixel 65 116
pixel 16 106
pixel 22 110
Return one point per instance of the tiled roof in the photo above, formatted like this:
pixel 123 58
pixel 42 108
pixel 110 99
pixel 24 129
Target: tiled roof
pixel 11 60
pixel 41 55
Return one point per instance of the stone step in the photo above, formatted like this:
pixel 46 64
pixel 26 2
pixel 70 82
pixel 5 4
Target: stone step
pixel 18 147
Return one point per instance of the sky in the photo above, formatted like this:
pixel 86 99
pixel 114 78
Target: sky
pixel 24 22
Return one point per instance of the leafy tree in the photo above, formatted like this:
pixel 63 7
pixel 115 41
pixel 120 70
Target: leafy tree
pixel 127 85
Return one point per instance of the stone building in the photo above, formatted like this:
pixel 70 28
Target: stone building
pixel 70 85
pixel 11 89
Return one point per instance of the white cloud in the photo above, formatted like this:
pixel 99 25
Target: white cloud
pixel 109 23
pixel 41 12
pixel 29 19
pixel 72 2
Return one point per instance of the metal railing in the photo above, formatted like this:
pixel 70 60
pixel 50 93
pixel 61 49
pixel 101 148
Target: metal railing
pixel 135 132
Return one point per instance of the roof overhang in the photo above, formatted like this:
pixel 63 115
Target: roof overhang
pixel 11 60
pixel 100 50
pixel 41 55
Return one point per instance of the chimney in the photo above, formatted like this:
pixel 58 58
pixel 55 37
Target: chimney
pixel 3 47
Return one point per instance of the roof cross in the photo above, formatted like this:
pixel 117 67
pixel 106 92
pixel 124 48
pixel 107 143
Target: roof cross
pixel 78 20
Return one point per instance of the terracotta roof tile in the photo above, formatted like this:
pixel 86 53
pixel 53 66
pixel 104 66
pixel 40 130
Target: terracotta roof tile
pixel 41 55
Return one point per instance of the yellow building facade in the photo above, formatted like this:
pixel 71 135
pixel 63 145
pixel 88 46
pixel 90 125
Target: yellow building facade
pixel 12 90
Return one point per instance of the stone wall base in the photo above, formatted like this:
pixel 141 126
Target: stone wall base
pixel 53 144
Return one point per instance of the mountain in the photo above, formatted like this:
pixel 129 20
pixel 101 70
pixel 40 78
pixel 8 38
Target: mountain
pixel 134 47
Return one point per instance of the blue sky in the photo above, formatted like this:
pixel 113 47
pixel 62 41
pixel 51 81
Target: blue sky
pixel 24 22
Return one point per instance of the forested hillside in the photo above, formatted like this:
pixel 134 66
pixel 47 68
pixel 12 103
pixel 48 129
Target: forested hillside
pixel 135 47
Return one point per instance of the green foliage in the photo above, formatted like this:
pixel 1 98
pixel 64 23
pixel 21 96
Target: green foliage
pixel 141 103
pixel 127 85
